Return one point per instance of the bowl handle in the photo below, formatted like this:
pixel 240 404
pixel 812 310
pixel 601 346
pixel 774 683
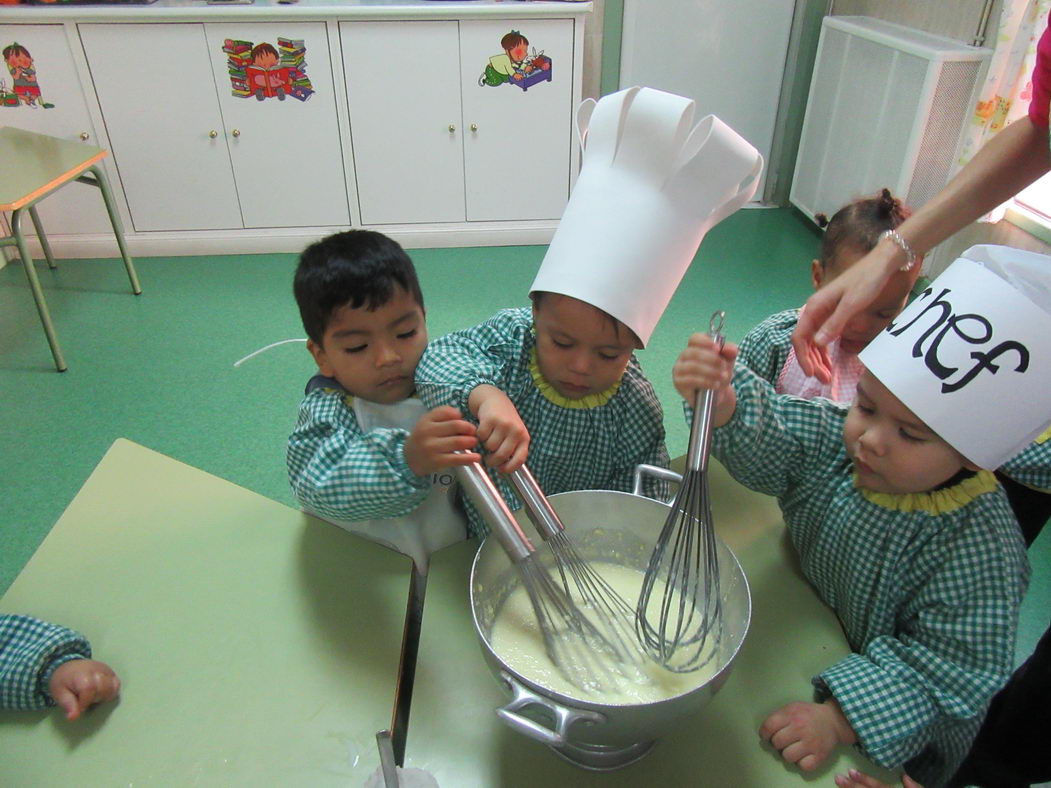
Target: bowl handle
pixel 564 717
pixel 642 470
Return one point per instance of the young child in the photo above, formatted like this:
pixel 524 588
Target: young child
pixel 906 538
pixel 365 453
pixel 43 664
pixel 558 383
pixel 852 232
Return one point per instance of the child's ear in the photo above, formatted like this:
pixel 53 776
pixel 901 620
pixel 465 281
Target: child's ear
pixel 320 358
pixel 971 466
pixel 817 274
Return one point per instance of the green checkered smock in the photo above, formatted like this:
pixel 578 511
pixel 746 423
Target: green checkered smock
pixel 1032 466
pixel 926 585
pixel 30 652
pixel 765 348
pixel 342 472
pixel 589 444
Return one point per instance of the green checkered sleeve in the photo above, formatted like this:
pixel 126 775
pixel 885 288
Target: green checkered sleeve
pixel 340 472
pixel 926 687
pixel 1032 466
pixel 457 363
pixel 772 441
pixel 765 348
pixel 30 652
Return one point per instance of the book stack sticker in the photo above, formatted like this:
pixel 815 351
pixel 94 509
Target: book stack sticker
pixel 265 71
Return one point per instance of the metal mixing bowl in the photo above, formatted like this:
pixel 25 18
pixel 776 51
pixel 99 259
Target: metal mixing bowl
pixel 621 528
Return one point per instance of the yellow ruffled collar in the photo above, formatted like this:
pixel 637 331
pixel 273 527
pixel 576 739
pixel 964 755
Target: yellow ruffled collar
pixel 935 502
pixel 551 395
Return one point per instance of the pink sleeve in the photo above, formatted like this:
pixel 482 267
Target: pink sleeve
pixel 1038 107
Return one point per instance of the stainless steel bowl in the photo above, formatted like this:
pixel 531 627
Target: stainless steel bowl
pixel 622 528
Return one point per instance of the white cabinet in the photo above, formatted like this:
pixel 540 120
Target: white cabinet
pixel 434 142
pixel 195 148
pixel 60 111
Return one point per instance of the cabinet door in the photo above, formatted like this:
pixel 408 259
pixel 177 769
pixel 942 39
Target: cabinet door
pixel 279 114
pixel 60 111
pixel 517 133
pixel 405 120
pixel 155 85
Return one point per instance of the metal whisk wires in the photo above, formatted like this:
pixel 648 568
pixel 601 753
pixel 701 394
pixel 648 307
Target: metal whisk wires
pixel 613 616
pixel 678 618
pixel 575 645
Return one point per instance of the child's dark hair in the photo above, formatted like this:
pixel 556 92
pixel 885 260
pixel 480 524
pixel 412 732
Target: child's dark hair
pixel 354 268
pixel 859 224
pixel 513 39
pixel 14 49
pixel 538 295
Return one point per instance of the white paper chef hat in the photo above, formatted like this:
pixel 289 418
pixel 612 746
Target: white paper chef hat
pixel 971 355
pixel 652 183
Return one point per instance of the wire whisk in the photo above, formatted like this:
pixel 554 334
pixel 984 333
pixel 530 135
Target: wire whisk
pixel 583 654
pixel 679 611
pixel 612 615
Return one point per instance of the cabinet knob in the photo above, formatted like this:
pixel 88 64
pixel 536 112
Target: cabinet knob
pixel 84 136
pixel 474 127
pixel 236 132
pixel 213 134
pixel 452 128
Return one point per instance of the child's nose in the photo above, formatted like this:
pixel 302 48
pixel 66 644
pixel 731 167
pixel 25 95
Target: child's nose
pixel 386 355
pixel 872 441
pixel 580 363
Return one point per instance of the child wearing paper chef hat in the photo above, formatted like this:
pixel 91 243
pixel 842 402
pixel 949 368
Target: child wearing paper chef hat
pixel 559 382
pixel 896 521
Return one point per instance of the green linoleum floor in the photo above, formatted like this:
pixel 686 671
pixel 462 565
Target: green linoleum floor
pixel 158 368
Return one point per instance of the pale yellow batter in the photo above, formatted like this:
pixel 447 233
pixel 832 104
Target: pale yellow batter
pixel 515 637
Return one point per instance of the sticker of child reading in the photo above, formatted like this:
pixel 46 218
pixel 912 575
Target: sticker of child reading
pixel 265 71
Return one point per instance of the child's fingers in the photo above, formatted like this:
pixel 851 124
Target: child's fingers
pixel 68 702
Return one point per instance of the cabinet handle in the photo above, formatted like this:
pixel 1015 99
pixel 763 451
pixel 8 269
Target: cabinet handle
pixel 474 127
pixel 452 128
pixel 236 132
pixel 84 136
pixel 213 134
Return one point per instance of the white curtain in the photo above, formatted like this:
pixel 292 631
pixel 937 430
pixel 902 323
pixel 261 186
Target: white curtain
pixel 1008 87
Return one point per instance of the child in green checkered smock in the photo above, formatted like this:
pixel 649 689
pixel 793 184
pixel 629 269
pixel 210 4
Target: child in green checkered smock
pixel 853 230
pixel 365 454
pixel 560 384
pixel 915 549
pixel 43 664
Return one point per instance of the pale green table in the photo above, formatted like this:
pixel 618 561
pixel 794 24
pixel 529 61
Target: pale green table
pixel 34 167
pixel 256 645
pixel 455 734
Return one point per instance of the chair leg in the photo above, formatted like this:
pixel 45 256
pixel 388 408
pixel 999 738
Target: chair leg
pixel 41 237
pixel 34 285
pixel 118 228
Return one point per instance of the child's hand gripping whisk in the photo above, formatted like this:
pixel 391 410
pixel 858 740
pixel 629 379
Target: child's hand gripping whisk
pixel 678 616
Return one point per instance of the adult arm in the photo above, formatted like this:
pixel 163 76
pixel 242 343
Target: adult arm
pixel 1010 161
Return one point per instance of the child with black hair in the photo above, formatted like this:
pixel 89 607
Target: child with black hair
pixel 851 233
pixel 365 453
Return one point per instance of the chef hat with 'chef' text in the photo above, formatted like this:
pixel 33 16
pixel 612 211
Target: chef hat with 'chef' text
pixel 971 355
pixel 652 183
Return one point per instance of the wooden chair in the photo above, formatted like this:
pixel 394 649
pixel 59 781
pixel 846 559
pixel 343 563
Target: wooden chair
pixel 34 166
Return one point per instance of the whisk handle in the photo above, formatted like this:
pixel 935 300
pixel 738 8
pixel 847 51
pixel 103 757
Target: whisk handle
pixel 487 499
pixel 537 507
pixel 703 410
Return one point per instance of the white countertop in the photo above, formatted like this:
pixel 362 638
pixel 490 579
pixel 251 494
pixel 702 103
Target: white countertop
pixel 198 10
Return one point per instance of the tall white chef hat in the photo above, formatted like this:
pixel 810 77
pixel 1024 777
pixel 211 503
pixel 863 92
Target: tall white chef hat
pixel 971 355
pixel 651 184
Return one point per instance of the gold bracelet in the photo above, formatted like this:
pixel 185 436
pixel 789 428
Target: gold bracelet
pixel 895 236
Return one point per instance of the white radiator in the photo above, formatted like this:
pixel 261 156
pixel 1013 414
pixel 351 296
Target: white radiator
pixel 887 107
